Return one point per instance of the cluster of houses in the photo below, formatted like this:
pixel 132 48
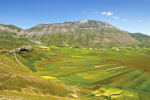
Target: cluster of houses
pixel 23 48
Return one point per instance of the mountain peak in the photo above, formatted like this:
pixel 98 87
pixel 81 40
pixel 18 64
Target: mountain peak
pixel 86 33
pixel 41 25
pixel 83 21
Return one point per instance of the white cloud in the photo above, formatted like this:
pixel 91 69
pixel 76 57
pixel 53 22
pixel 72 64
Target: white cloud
pixel 139 20
pixel 96 12
pixel 84 12
pixel 103 13
pixel 110 13
pixel 124 20
pixel 116 17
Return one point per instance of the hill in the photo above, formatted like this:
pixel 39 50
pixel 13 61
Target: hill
pixel 84 33
pixel 83 73
pixel 144 39
pixel 10 28
pixel 17 79
pixel 64 73
pixel 10 40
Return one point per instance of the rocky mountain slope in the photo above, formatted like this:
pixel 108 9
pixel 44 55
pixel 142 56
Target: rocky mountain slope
pixel 84 33
pixel 10 28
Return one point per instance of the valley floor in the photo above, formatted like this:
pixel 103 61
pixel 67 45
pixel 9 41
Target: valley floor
pixel 79 73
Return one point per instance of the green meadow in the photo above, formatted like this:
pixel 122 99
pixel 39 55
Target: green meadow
pixel 115 73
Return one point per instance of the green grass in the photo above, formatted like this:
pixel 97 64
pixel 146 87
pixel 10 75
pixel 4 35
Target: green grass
pixel 16 95
pixel 142 38
pixel 145 85
pixel 7 41
pixel 12 27
pixel 77 67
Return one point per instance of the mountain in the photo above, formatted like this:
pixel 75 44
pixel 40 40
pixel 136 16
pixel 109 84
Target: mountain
pixel 144 39
pixel 84 33
pixel 10 28
pixel 38 72
pixel 9 40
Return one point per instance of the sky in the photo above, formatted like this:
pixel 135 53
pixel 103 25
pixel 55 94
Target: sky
pixel 128 15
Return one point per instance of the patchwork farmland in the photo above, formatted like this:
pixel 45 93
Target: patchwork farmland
pixel 93 69
pixel 105 73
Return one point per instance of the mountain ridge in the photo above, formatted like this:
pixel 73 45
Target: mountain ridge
pixel 144 39
pixel 84 33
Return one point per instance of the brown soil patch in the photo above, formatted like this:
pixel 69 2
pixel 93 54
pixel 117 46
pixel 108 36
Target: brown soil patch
pixel 114 79
pixel 94 88
pixel 49 63
pixel 61 56
pixel 67 53
pixel 109 80
pixel 67 62
pixel 58 59
pixel 137 65
pixel 84 71
pixel 40 65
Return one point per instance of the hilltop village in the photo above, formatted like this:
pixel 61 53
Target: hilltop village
pixel 23 48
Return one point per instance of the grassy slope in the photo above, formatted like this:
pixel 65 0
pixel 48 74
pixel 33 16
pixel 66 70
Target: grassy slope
pixel 136 59
pixel 21 96
pixel 88 38
pixel 74 66
pixel 14 77
pixel 145 39
pixel 91 38
pixel 7 41
pixel 13 27
pixel 84 59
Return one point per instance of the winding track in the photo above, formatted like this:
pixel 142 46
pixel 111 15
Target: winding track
pixel 21 63
pixel 100 53
pixel 12 76
pixel 5 65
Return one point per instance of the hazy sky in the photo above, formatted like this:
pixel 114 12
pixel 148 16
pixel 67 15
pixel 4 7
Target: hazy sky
pixel 128 15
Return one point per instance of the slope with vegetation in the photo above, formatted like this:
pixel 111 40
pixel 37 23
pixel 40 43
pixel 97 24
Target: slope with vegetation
pixel 103 73
pixel 144 39
pixel 64 69
pixel 18 78
pixel 9 41
pixel 86 33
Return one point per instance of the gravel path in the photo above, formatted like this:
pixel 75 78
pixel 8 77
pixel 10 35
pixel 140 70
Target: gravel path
pixel 100 54
pixel 21 63
pixel 115 68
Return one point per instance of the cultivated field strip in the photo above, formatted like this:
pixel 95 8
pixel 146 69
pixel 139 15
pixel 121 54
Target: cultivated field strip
pixel 125 78
pixel 80 67
pixel 93 76
pixel 146 85
pixel 133 83
pixel 136 79
pixel 115 72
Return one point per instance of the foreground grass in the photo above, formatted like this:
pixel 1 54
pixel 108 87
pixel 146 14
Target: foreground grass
pixel 55 68
pixel 16 78
pixel 5 95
